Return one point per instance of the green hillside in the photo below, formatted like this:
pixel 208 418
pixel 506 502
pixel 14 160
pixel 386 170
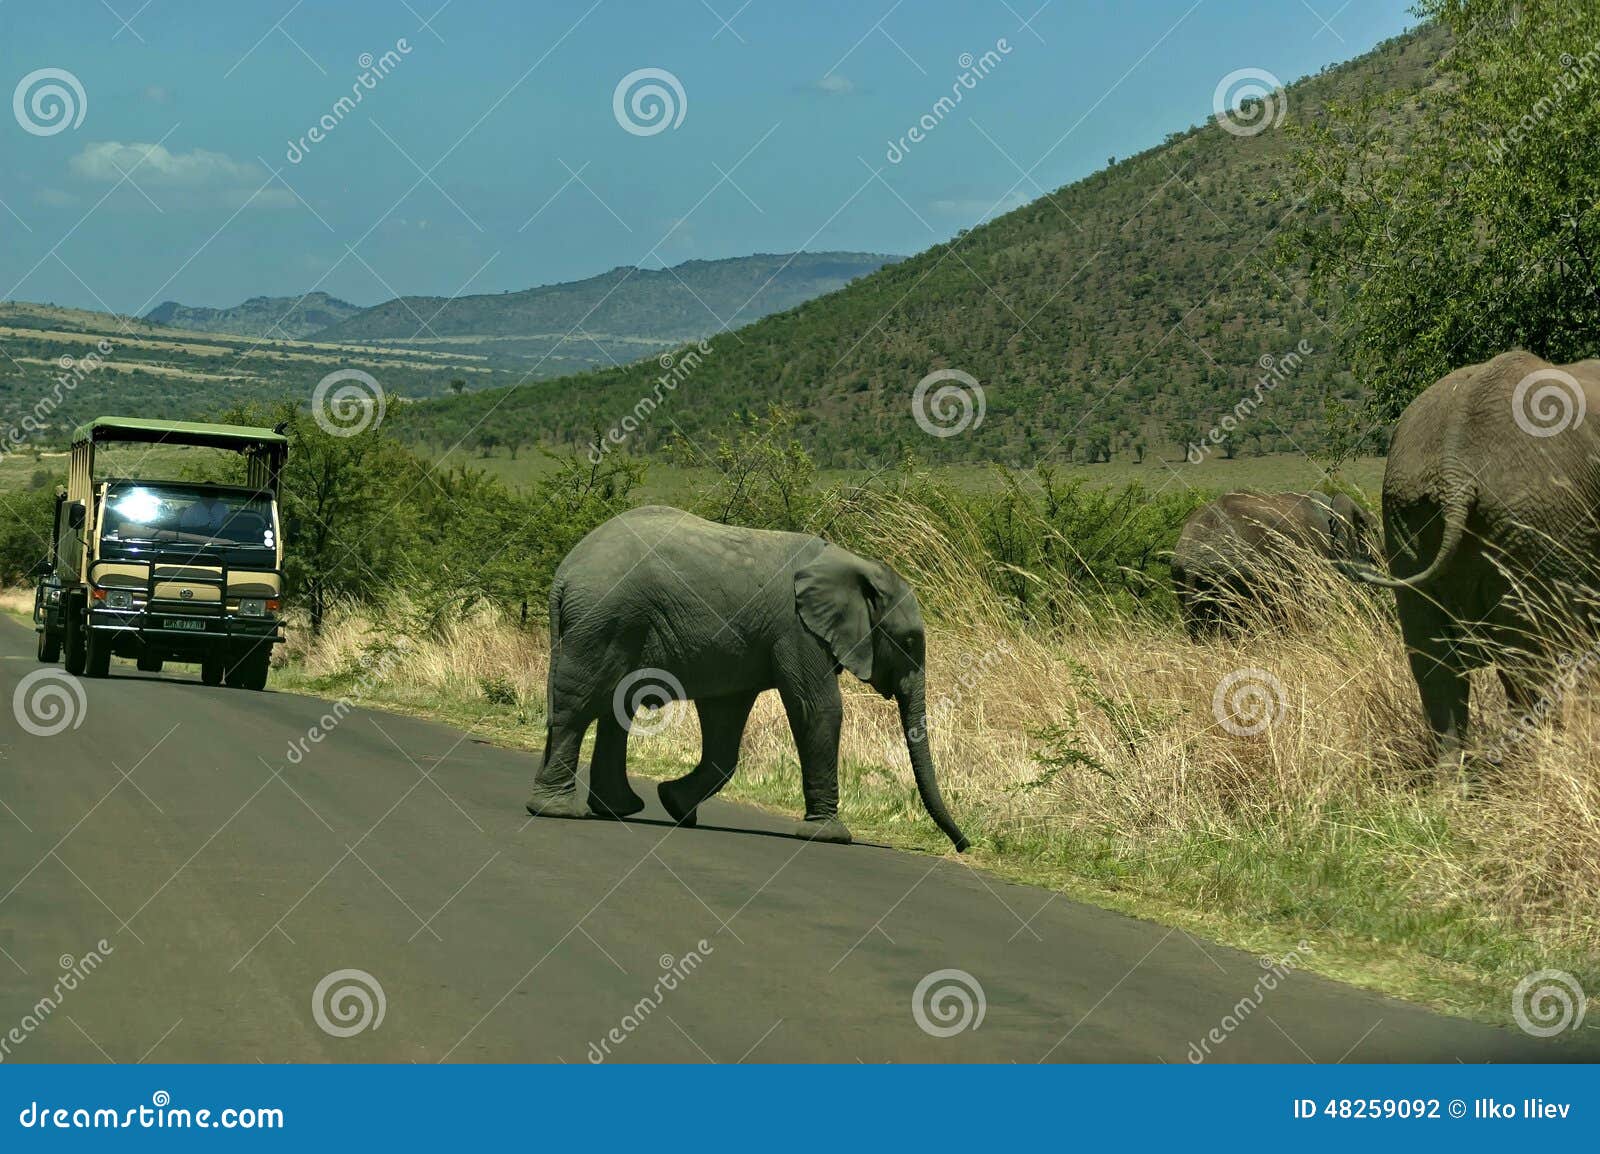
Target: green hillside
pixel 1130 309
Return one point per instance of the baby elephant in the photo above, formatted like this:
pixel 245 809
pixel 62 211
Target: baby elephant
pixel 658 601
pixel 1230 550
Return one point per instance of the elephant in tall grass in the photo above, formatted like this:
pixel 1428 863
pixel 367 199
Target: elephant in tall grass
pixel 1239 554
pixel 657 603
pixel 1491 507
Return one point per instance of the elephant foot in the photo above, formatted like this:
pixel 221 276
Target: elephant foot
pixel 557 803
pixel 616 809
pixel 829 829
pixel 673 803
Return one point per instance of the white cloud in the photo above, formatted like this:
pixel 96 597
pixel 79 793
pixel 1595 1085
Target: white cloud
pixel 107 162
pixel 835 85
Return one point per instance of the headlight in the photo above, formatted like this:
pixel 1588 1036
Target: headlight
pixel 119 599
pixel 252 607
pixel 51 596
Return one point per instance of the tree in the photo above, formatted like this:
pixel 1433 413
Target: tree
pixel 1470 225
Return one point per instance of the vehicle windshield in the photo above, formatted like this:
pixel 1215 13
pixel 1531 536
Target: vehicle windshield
pixel 177 514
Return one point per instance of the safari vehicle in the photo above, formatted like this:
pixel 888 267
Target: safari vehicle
pixel 163 570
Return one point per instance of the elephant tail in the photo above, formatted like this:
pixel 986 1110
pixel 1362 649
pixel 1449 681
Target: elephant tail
pixel 1458 504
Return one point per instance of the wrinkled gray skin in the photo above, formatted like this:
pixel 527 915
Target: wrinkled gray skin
pixel 728 613
pixel 1473 505
pixel 1224 547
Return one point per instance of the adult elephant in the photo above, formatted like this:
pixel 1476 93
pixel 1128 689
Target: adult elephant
pixel 1236 551
pixel 657 597
pixel 1491 507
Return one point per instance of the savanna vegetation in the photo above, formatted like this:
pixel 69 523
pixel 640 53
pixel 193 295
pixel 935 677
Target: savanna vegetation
pixel 1260 789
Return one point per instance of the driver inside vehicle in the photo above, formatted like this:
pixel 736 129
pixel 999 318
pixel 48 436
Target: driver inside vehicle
pixel 206 515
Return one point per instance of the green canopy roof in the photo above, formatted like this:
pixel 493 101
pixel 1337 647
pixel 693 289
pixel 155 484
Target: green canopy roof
pixel 138 429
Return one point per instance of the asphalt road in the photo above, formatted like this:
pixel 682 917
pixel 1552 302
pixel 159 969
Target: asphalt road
pixel 228 879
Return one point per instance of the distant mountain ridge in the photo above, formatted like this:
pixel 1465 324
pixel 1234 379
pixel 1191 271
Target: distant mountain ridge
pixel 689 300
pixel 616 317
pixel 288 318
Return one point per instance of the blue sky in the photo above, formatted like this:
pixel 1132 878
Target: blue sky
pixel 489 156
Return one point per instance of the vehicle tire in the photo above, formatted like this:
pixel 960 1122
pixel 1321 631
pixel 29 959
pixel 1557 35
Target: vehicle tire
pixel 49 646
pixel 73 647
pixel 149 663
pixel 248 669
pixel 97 661
pixel 211 671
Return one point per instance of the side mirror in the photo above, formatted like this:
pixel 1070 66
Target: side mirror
pixel 291 530
pixel 75 515
pixel 42 568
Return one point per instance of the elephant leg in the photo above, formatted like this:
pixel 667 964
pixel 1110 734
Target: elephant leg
pixel 722 721
pixel 555 786
pixel 610 795
pixel 1439 666
pixel 816 714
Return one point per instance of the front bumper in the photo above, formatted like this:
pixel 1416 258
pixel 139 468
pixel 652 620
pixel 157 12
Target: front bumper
pixel 157 627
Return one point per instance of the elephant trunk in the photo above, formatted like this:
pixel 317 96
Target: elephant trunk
pixel 914 720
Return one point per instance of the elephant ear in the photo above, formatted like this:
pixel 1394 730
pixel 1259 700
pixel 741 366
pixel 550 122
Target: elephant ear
pixel 832 595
